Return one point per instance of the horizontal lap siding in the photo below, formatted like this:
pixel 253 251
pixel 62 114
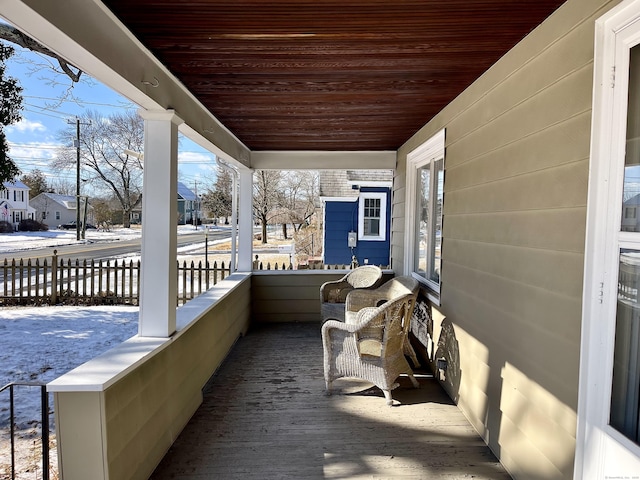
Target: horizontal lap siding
pixel 516 174
pixel 288 296
pixel 340 218
pixel 151 405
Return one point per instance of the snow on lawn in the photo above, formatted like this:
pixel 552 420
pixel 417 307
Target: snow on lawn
pixel 19 241
pixel 38 344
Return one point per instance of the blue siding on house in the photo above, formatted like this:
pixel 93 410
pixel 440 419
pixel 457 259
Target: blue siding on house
pixel 341 217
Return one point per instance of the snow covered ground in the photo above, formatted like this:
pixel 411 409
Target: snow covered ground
pixel 21 241
pixel 38 344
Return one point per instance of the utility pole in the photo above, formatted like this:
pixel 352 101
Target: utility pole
pixel 77 122
pixel 195 205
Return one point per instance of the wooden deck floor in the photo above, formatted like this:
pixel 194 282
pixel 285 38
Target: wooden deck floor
pixel 265 416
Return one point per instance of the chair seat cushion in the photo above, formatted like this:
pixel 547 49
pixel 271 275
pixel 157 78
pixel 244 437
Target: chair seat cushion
pixel 369 347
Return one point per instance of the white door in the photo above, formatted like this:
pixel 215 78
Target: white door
pixel 608 436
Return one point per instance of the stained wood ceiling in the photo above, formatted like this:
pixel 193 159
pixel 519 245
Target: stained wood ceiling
pixel 328 74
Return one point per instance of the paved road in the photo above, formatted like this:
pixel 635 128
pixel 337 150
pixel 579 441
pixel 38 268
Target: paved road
pixel 108 249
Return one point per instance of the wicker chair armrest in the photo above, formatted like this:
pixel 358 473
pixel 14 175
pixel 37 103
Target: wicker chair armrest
pixel 335 291
pixel 359 299
pixel 338 325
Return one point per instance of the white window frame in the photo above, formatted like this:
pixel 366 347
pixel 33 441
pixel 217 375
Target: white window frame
pixel 598 445
pixel 383 216
pixel 427 153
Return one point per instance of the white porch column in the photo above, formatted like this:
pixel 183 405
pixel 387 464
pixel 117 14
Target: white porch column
pixel 159 276
pixel 245 244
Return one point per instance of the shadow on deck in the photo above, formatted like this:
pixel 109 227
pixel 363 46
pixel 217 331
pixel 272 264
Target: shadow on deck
pixel 265 415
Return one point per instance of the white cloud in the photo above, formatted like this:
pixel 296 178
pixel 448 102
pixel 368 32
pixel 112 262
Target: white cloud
pixel 198 158
pixel 25 125
pixel 33 151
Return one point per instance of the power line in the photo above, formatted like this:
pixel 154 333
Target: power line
pixel 33 160
pixel 35 146
pixel 50 110
pixel 46 114
pixel 80 102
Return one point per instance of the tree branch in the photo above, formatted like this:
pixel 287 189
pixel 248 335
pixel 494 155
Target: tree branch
pixel 13 35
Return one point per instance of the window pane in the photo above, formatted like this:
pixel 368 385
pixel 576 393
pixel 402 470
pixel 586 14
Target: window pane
pixel 424 187
pixel 371 226
pixel 625 390
pixel 435 250
pixel 430 220
pixel 631 193
pixel 372 208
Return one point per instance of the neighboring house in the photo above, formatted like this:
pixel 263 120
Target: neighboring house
pixel 14 203
pixel 135 217
pixel 54 209
pixel 187 204
pixel 631 214
pixel 356 216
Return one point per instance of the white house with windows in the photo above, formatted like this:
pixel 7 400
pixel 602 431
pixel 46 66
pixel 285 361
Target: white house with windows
pixel 54 209
pixel 14 203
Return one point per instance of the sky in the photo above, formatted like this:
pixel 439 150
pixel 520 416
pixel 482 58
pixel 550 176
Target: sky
pixel 33 141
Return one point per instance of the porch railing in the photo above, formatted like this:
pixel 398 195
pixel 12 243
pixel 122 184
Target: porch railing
pixel 44 431
pixel 76 282
pixel 112 282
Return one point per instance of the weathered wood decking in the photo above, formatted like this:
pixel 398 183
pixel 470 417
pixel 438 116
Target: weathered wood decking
pixel 266 416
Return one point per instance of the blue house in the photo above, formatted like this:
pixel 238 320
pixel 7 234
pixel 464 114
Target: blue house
pixel 187 204
pixel 356 208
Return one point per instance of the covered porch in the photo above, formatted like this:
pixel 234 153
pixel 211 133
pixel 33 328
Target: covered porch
pixel 265 415
pixel 482 110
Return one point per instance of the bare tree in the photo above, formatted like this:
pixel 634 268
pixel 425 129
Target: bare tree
pixel 266 185
pixel 13 35
pixel 36 181
pixel 299 196
pixel 103 142
pixel 63 186
pixel 218 201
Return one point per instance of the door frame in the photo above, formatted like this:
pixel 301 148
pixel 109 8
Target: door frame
pixel 604 202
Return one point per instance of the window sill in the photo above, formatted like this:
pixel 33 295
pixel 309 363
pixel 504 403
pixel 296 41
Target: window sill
pixel 429 289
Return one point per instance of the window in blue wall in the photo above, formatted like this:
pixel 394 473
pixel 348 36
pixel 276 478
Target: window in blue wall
pixel 372 216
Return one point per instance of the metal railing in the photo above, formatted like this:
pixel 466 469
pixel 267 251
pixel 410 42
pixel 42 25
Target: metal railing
pixel 44 404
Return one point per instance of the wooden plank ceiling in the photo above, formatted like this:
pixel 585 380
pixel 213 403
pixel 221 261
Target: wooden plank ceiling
pixel 328 74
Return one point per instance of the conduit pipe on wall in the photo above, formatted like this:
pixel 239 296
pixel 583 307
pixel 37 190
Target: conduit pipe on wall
pixel 234 211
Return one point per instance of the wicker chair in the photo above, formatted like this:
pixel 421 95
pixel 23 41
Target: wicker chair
pixel 333 294
pixel 394 288
pixel 370 346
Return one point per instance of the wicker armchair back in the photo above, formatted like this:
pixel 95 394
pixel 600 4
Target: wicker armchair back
pixel 333 294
